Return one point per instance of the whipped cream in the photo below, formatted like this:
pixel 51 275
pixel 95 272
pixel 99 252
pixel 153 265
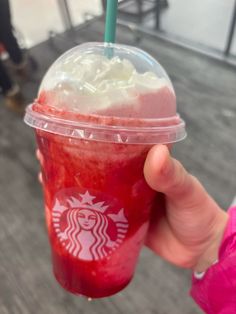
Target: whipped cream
pixel 91 82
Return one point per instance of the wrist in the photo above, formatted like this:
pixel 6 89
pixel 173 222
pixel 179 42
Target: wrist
pixel 211 252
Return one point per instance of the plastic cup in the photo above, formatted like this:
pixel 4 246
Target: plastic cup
pixel 95 119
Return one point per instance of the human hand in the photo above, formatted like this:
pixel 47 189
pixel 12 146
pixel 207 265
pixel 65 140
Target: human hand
pixel 187 226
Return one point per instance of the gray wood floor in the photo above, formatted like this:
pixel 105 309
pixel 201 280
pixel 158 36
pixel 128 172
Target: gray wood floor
pixel 206 92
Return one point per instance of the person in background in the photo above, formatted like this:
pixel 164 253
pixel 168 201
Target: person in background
pixel 10 90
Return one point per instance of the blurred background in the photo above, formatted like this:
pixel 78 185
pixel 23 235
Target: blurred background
pixel 195 41
pixel 204 25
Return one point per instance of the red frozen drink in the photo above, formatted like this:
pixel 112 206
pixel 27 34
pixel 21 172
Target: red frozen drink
pixel 95 120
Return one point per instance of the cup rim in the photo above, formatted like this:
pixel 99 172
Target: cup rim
pixel 152 131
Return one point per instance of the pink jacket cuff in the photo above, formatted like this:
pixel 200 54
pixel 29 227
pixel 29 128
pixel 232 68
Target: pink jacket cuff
pixel 215 293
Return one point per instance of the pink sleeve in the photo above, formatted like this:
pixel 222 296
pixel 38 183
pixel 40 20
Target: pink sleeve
pixel 215 293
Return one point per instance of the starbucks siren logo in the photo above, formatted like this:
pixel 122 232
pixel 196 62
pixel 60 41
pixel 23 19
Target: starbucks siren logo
pixel 84 228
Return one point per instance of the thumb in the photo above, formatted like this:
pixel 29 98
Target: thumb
pixel 167 175
pixel 196 221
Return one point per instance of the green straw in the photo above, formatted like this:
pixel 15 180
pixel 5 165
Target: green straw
pixel 110 26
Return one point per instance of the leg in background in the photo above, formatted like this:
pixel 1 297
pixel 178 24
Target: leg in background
pixel 7 37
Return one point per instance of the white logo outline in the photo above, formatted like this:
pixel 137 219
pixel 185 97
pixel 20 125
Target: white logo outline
pixel 85 236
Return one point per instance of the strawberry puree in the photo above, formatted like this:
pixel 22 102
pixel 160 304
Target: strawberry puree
pixel 108 173
pixel 113 174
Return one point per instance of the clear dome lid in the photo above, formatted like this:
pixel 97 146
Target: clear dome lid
pixel 115 80
pixel 108 85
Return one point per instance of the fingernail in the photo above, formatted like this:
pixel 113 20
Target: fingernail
pixel 167 167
